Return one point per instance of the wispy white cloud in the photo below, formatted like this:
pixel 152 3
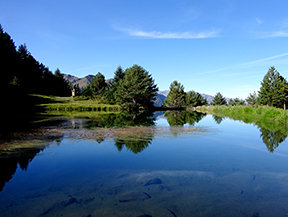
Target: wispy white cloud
pixel 264 60
pixel 170 35
pixel 245 64
pixel 235 74
pixel 276 34
pixel 259 21
pixel 281 32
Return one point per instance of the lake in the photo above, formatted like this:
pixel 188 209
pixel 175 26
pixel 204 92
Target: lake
pixel 177 164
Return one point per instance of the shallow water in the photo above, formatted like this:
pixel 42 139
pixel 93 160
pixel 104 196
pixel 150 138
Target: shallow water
pixel 225 170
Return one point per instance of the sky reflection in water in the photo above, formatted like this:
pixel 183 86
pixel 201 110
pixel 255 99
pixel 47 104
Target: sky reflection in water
pixel 225 171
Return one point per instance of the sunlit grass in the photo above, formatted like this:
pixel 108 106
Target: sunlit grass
pixel 268 117
pixel 51 103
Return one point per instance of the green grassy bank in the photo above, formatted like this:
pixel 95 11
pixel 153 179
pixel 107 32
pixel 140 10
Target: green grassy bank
pixel 268 117
pixel 52 103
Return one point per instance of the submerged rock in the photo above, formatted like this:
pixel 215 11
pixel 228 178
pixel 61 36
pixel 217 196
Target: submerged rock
pixel 133 196
pixel 153 182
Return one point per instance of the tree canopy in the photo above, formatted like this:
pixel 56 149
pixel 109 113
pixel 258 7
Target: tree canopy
pixel 194 99
pixel 97 86
pixel 22 73
pixel 136 90
pixel 252 99
pixel 274 89
pixel 176 95
pixel 236 102
pixel 219 100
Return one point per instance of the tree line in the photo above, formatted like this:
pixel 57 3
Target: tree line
pixel 22 73
pixel 273 92
pixel 133 89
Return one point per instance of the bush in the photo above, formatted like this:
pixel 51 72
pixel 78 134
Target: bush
pixel 248 110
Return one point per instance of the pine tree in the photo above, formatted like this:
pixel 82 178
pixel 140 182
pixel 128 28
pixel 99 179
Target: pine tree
pixel 8 59
pixel 62 87
pixel 236 102
pixel 98 84
pixel 111 89
pixel 176 96
pixel 136 89
pixel 218 100
pixel 194 99
pixel 252 98
pixel 118 74
pixel 96 88
pixel 274 89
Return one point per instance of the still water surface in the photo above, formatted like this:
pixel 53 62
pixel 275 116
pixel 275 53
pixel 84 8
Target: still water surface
pixel 228 169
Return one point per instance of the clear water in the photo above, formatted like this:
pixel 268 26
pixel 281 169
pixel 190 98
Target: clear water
pixel 225 171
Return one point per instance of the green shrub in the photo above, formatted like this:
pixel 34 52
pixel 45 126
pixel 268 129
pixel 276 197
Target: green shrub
pixel 248 110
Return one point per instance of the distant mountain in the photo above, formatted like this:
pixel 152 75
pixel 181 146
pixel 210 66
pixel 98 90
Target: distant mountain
pixel 159 100
pixel 163 92
pixel 209 98
pixel 83 82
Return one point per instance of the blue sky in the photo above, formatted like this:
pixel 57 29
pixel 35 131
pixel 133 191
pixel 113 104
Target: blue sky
pixel 208 46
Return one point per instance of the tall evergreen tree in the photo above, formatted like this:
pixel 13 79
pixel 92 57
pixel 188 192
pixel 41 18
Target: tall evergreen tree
pixel 97 86
pixel 118 74
pixel 236 102
pixel 219 100
pixel 8 59
pixel 111 89
pixel 194 99
pixel 252 98
pixel 274 89
pixel 62 87
pixel 176 95
pixel 136 90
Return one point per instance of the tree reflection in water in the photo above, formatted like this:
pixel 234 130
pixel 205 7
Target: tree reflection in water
pixel 136 143
pixel 218 119
pixel 272 139
pixel 180 118
pixel 12 158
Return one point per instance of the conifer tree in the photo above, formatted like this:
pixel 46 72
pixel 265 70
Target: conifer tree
pixel 176 95
pixel 118 74
pixel 218 100
pixel 8 59
pixel 252 98
pixel 194 99
pixel 97 86
pixel 136 89
pixel 62 87
pixel 236 102
pixel 274 89
pixel 111 89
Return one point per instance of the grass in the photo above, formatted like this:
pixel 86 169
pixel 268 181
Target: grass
pixel 52 103
pixel 268 117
